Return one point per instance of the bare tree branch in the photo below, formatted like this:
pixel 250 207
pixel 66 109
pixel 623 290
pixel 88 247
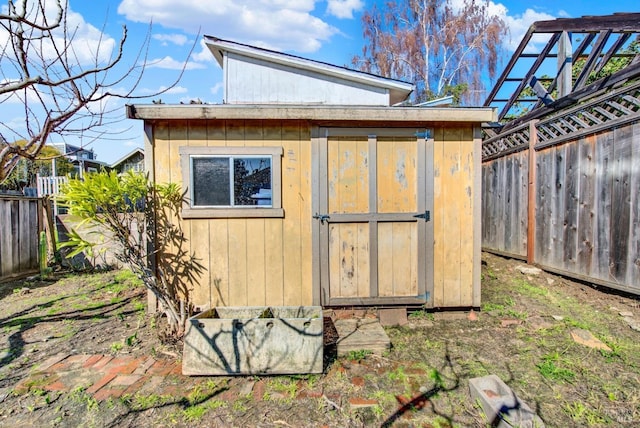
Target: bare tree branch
pixel 62 92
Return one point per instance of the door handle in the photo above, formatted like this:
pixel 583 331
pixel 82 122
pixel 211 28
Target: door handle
pixel 321 217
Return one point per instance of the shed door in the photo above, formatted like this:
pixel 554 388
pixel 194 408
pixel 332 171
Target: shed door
pixel 374 216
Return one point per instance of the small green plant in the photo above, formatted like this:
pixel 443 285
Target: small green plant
pixel 131 340
pixel 194 413
pixel 286 386
pixel 116 347
pixel 580 413
pixel 421 315
pixel 549 369
pixel 358 355
pixel 436 377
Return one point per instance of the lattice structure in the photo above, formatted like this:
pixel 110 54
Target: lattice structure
pixel 613 109
pixel 603 112
pixel 509 142
pixel 589 98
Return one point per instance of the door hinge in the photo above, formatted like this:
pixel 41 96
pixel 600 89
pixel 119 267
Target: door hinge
pixel 426 215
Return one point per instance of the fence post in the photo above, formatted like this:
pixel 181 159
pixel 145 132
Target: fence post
pixel 531 190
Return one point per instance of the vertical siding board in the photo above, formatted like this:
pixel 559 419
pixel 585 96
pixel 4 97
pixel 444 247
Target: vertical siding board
pixel 256 241
pixel 586 207
pixel 507 186
pixel 570 197
pixel 15 232
pixel 439 237
pixel 465 181
pixel 633 265
pixel 291 200
pixel 604 152
pixel 6 263
pixel 273 234
pixel 306 216
pixel 238 238
pixel 542 199
pixel 524 202
pixel 197 230
pixel 557 215
pixel 495 203
pixel 452 200
pixel 218 234
pixel 621 202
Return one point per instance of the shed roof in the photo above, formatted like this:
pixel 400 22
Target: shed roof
pixel 312 113
pixel 398 90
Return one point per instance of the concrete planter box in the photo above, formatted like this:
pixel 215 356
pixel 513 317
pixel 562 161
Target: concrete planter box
pixel 254 340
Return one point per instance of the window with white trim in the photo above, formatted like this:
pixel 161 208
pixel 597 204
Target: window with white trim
pixel 232 181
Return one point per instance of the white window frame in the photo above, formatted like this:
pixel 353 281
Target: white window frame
pixel 256 211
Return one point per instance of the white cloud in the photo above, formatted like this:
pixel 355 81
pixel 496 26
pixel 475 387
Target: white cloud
pixel 344 9
pixel 87 44
pixel 278 24
pixel 519 24
pixel 169 63
pixel 176 39
pixel 215 90
pixel 204 55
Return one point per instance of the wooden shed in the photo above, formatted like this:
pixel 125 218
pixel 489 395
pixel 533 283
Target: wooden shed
pixel 310 186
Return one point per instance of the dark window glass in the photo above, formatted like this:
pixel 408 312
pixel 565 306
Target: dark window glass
pixel 252 181
pixel 211 181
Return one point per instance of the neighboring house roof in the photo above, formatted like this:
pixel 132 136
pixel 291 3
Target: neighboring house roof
pixel 264 76
pixel 128 156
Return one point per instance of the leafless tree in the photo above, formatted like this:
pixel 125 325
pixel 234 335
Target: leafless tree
pixel 65 86
pixel 444 49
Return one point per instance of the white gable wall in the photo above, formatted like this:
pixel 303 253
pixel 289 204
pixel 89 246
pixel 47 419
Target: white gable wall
pixel 255 81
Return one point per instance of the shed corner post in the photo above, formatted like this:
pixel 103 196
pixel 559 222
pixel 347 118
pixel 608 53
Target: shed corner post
pixel 531 193
pixel 149 166
pixel 477 215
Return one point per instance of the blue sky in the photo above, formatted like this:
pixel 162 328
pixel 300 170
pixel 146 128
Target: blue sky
pixel 324 30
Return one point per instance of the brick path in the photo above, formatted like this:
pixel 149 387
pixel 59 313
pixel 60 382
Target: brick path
pixel 106 376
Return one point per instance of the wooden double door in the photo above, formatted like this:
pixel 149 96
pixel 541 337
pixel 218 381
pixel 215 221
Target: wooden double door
pixel 373 234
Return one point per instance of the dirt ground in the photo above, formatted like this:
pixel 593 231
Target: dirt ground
pixel 523 334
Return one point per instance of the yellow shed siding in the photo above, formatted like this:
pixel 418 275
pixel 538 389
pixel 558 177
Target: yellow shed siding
pixel 453 206
pixel 268 261
pixel 253 261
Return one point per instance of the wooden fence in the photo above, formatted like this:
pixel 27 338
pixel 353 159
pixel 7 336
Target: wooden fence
pixel 581 214
pixel 20 226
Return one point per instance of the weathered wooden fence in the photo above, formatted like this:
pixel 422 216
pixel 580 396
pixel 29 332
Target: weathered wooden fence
pixel 20 226
pixel 577 211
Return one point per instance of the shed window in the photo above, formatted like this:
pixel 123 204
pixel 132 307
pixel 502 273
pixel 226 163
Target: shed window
pixel 232 181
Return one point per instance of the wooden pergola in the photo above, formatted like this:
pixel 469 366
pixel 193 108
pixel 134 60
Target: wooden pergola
pixel 591 41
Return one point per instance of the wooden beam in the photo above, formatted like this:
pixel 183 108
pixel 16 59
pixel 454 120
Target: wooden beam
pixel 565 65
pixel 531 189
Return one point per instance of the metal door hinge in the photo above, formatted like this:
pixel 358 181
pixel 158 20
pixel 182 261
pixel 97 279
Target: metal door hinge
pixel 426 216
